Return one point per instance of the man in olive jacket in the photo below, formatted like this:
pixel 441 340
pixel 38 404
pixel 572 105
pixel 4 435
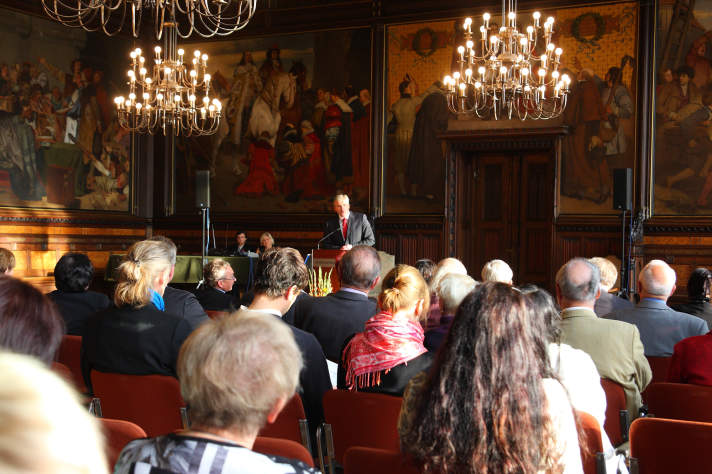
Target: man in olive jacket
pixel 614 346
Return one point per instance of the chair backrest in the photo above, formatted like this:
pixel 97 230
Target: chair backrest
pixel 362 419
pixel 359 460
pixel 64 372
pixel 680 401
pixel 283 447
pixel 212 314
pixel 592 452
pixel 616 424
pixel 659 366
pixel 153 402
pixel 290 424
pixel 118 434
pixel 69 354
pixel 663 446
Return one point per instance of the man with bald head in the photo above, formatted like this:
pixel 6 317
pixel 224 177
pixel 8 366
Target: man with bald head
pixel 660 326
pixel 614 346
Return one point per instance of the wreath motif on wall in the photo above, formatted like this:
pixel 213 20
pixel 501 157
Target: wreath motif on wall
pixel 600 28
pixel 419 48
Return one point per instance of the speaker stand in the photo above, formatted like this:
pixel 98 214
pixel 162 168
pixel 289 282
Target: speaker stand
pixel 204 214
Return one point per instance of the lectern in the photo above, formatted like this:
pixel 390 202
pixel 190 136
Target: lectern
pixel 327 259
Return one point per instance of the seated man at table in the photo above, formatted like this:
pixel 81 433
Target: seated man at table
pixel 240 249
pixel 346 228
pixel 218 292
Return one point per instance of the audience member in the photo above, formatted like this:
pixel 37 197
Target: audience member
pixel 236 374
pixel 266 242
pixel 426 267
pixel 7 261
pixel 451 291
pixel 608 302
pixel 660 326
pixel 240 248
pixel 218 292
pixel 279 278
pixel 72 277
pixel 335 317
pixel 692 361
pixel 390 351
pixel 698 292
pixel 614 346
pixel 29 322
pixel 137 336
pixel 491 400
pixel 45 428
pixel 574 368
pixel 445 266
pixel 180 302
pixel 497 270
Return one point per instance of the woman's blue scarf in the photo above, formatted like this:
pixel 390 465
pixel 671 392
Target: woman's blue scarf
pixel 157 300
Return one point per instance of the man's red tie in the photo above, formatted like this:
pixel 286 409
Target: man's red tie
pixel 345 227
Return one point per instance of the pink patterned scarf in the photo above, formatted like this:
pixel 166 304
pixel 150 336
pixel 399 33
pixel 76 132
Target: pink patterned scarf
pixel 384 343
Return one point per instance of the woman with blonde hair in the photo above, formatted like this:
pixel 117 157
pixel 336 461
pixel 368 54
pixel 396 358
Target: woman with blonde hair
pixel 266 242
pixel 136 335
pixel 390 350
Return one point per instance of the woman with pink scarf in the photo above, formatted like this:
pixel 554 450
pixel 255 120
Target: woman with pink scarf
pixel 390 351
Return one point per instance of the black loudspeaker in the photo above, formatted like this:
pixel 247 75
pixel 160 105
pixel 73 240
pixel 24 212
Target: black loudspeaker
pixel 202 188
pixel 623 189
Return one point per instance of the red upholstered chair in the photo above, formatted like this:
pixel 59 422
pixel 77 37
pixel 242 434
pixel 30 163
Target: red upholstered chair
pixel 357 419
pixel 290 424
pixel 69 355
pixel 660 446
pixel 153 402
pixel 680 401
pixel 283 447
pixel 64 372
pixel 617 417
pixel 358 460
pixel 212 314
pixel 592 456
pixel 659 367
pixel 118 434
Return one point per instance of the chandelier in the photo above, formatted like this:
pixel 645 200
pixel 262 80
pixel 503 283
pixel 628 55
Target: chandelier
pixel 205 17
pixel 174 96
pixel 505 73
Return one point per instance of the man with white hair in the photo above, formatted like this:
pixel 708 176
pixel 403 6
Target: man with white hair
pixel 347 228
pixel 498 271
pixel 660 326
pixel 608 302
pixel 452 289
pixel 614 346
pixel 445 266
pixel 218 292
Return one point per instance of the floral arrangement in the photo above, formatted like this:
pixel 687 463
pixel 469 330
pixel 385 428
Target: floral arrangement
pixel 319 283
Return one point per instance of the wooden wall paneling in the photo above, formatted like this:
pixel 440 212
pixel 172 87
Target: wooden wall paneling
pixel 411 238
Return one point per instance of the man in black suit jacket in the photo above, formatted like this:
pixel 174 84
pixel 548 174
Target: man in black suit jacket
pixel 218 293
pixel 347 228
pixel 333 318
pixel 240 249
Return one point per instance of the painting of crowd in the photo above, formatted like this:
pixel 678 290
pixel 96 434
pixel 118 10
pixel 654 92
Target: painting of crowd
pixel 683 120
pixel 290 137
pixel 60 144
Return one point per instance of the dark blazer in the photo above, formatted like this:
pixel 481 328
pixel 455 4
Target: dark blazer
pixel 134 341
pixel 333 318
pixel 236 251
pixel 692 361
pixel 359 232
pixel 77 307
pixel 184 304
pixel 660 326
pixel 212 299
pixel 395 380
pixel 700 308
pixel 608 303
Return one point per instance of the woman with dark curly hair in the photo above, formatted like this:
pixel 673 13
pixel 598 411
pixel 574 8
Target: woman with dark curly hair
pixel 490 402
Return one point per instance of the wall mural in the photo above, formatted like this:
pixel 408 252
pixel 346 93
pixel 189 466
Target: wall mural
pixel 600 49
pixel 297 124
pixel 60 145
pixel 683 111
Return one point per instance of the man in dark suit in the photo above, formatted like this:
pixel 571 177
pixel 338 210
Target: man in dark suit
pixel 72 276
pixel 608 302
pixel 347 228
pixel 240 249
pixel 279 278
pixel 660 326
pixel 335 317
pixel 218 293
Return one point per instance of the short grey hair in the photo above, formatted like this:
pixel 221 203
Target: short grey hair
pixel 452 290
pixel 445 266
pixel 609 274
pixel 232 371
pixel 214 270
pixel 497 271
pixel 578 280
pixel 341 198
pixel 171 247
pixel 656 283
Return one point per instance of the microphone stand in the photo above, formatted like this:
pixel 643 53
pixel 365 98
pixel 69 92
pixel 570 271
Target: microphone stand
pixel 338 229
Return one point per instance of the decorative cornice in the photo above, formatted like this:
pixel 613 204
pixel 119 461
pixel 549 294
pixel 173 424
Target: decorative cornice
pixel 76 221
pixel 506 144
pixel 677 229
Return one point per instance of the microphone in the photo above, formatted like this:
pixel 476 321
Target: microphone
pixel 338 229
